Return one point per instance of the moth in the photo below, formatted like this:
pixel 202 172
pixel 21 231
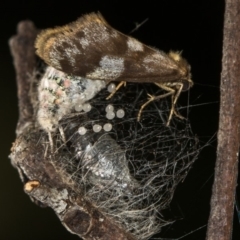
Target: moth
pixel 92 49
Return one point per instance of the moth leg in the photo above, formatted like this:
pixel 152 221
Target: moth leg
pixel 171 91
pixel 175 97
pixel 174 110
pixel 118 86
pixel 177 114
pixel 151 99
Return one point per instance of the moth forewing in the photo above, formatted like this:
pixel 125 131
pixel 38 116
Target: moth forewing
pixel 91 48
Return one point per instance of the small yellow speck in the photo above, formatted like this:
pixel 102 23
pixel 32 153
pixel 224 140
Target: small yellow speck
pixel 30 185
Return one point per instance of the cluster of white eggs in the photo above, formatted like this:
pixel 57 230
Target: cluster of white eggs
pixel 107 127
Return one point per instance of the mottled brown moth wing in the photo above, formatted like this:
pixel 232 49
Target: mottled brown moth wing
pixel 91 48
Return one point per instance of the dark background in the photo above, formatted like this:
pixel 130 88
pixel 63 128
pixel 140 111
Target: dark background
pixel 192 26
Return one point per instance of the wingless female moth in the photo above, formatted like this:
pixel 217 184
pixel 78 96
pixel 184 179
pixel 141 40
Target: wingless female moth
pixel 90 48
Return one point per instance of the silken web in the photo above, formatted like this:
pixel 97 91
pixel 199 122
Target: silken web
pixel 128 169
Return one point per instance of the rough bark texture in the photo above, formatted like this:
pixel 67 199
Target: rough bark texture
pixel 222 202
pixel 44 183
pixel 22 49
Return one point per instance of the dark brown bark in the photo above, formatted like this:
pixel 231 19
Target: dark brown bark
pixel 44 183
pixel 22 49
pixel 226 171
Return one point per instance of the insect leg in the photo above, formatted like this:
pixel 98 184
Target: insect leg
pixel 175 97
pixel 151 99
pixel 171 91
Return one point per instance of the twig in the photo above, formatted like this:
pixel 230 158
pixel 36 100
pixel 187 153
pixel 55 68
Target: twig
pixel 226 171
pixel 22 49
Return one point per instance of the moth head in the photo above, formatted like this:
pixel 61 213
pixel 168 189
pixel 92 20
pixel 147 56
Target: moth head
pixel 185 69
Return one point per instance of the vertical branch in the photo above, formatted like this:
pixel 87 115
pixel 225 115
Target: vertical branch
pixel 22 49
pixel 222 202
